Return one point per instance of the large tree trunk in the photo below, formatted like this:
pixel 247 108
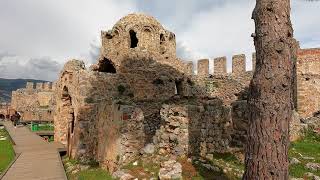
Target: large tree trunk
pixel 271 92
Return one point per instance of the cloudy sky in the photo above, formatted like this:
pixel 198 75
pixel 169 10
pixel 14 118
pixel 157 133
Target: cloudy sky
pixel 38 36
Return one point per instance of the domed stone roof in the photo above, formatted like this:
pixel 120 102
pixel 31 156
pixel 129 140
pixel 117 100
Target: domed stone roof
pixel 137 19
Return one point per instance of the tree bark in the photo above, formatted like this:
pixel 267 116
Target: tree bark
pixel 271 92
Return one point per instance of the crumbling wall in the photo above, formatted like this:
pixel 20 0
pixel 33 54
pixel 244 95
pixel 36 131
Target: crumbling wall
pixel 5 111
pixel 34 103
pixel 140 92
pixel 146 33
pixel 308 82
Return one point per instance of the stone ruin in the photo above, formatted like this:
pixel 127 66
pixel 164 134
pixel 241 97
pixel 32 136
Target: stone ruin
pixel 35 102
pixel 139 93
pixel 6 111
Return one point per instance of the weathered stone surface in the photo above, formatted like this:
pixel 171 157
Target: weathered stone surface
pixel 34 104
pixel 139 93
pixel 121 175
pixel 148 149
pixel 312 176
pixel 313 166
pixel 294 161
pixel 170 170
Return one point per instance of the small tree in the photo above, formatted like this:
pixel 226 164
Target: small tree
pixel 271 92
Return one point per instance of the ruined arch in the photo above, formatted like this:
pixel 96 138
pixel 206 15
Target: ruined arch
pixel 178 87
pixel 70 118
pixel 148 29
pixel 172 36
pixel 162 38
pixel 133 39
pixel 116 32
pixel 106 66
pixel 2 116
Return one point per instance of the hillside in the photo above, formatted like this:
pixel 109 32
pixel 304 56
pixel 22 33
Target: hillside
pixel 8 85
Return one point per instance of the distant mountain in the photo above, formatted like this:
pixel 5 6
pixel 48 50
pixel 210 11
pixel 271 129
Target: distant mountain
pixel 9 85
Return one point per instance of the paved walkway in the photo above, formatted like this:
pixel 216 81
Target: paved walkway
pixel 37 159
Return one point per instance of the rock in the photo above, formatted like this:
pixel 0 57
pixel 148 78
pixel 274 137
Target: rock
pixel 313 166
pixel 162 151
pixel 70 168
pixel 210 167
pixel 295 127
pixel 122 175
pixel 135 163
pixel 294 161
pixel 209 156
pixel 307 158
pixel 75 171
pixel 312 122
pixel 170 170
pixel 292 178
pixel 84 167
pixel 178 151
pixel 312 176
pixel 148 149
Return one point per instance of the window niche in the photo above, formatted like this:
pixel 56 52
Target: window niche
pixel 133 39
pixel 107 66
pixel 178 87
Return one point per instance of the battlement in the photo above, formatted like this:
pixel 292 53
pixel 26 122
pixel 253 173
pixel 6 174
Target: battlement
pixel 220 65
pixel 30 85
pixel 40 86
pixel 203 67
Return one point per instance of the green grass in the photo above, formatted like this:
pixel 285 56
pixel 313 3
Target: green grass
pixel 93 173
pixel 149 169
pixel 308 146
pixel 6 151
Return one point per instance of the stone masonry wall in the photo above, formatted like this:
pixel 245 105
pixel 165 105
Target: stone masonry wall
pixel 140 93
pixel 34 104
pixel 308 82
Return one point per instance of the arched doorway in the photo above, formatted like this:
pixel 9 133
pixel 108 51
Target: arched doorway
pixel 70 118
pixel 2 117
pixel 107 66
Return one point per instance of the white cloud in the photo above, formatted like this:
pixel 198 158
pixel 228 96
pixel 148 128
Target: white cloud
pixel 61 30
pixel 222 31
pixel 306 22
pixel 42 68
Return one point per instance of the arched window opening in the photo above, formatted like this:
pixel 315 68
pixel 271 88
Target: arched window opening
pixel 108 36
pixel 147 30
pixel 172 36
pixel 116 32
pixel 2 116
pixel 133 38
pixel 107 66
pixel 162 38
pixel 72 122
pixel 178 87
pixel 65 94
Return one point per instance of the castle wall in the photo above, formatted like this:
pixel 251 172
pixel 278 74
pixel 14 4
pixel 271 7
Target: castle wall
pixel 203 67
pixel 33 104
pixel 220 65
pixel 139 95
pixel 308 82
pixel 238 64
pixel 5 111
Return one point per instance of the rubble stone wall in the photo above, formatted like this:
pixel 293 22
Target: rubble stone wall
pixel 140 93
pixel 308 82
pixel 34 103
